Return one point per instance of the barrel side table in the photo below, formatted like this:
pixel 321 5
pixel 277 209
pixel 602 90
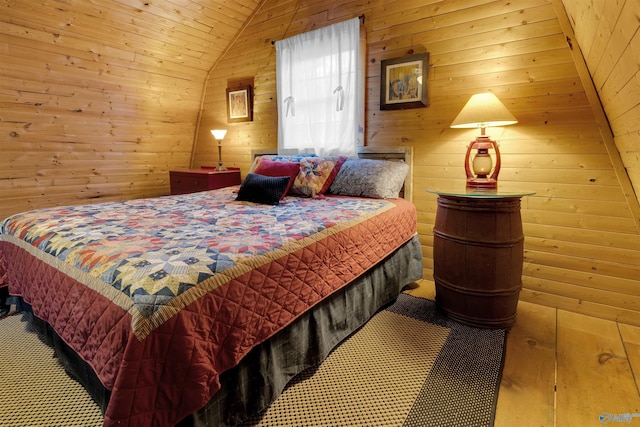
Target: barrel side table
pixel 478 249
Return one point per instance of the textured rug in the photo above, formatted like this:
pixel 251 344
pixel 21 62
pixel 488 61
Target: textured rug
pixel 35 390
pixel 408 366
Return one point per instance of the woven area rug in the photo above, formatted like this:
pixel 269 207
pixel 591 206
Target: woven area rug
pixel 408 366
pixel 35 390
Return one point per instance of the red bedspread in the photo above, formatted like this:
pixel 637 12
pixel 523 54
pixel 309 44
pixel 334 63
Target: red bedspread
pixel 162 360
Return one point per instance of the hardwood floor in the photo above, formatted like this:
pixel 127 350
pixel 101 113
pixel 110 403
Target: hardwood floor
pixel 566 369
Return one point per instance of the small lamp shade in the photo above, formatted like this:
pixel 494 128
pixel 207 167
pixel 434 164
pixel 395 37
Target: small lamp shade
pixel 481 111
pixel 218 134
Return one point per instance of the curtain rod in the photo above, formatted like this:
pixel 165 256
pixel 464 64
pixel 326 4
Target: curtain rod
pixel 361 18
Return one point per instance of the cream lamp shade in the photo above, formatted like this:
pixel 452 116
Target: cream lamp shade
pixel 481 111
pixel 218 134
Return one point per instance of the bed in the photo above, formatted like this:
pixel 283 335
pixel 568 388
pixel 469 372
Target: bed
pixel 197 309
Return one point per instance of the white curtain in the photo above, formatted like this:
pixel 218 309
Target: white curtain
pixel 320 88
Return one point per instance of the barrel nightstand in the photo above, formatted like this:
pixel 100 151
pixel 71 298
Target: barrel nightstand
pixel 478 249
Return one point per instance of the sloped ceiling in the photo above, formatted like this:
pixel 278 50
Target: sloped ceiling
pixel 608 34
pixel 178 32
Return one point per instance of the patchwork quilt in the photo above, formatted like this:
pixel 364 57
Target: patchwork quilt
pixel 160 296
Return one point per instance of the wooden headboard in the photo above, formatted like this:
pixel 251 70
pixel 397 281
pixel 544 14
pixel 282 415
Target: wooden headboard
pixel 392 153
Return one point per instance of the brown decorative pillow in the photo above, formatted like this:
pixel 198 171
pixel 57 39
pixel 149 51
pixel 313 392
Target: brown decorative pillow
pixel 316 175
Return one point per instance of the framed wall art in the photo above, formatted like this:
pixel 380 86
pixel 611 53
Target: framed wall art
pixel 239 104
pixel 403 82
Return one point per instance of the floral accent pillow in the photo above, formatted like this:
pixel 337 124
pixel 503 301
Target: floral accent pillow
pixel 380 179
pixel 316 175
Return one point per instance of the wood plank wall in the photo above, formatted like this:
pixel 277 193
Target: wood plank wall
pixel 100 99
pixel 608 34
pixel 582 245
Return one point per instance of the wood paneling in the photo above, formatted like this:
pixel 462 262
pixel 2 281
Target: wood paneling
pixel 582 247
pixel 608 34
pixel 100 99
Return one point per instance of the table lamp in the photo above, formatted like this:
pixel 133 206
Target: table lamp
pixel 219 134
pixel 481 111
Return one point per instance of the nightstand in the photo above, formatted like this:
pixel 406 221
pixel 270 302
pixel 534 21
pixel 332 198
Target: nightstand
pixel 193 180
pixel 478 247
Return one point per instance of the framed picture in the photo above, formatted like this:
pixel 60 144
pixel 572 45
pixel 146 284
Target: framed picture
pixel 403 82
pixel 239 104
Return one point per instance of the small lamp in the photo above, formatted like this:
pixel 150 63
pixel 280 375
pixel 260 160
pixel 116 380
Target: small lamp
pixel 219 134
pixel 481 111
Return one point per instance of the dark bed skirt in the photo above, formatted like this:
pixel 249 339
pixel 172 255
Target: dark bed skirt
pixel 262 375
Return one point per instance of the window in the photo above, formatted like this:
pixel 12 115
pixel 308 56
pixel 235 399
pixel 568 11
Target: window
pixel 320 87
